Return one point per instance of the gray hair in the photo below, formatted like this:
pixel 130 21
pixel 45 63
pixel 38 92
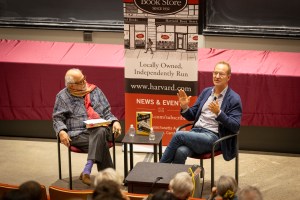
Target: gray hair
pixel 108 174
pixel 181 185
pixel 250 193
pixel 68 78
pixel 225 184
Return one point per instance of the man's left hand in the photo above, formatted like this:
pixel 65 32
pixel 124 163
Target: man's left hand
pixel 117 129
pixel 214 107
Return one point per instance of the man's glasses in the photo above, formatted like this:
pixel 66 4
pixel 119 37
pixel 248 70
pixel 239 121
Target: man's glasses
pixel 81 82
pixel 221 74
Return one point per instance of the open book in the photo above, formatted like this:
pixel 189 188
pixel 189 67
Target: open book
pixel 91 123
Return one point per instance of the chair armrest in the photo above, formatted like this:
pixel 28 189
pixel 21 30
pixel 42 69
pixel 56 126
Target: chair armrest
pixel 223 138
pixel 183 126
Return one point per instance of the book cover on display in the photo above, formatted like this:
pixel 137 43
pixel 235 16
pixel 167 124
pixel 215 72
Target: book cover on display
pixel 143 123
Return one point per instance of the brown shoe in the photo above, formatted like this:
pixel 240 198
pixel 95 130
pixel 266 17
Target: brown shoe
pixel 86 179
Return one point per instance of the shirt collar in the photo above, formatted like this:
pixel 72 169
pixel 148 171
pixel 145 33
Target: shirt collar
pixel 221 94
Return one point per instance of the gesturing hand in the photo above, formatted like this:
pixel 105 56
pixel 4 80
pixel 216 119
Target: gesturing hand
pixel 214 107
pixel 184 100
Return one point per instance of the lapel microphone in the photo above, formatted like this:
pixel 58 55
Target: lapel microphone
pixel 215 98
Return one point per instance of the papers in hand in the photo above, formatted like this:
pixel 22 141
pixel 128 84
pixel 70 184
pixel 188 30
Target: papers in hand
pixel 91 123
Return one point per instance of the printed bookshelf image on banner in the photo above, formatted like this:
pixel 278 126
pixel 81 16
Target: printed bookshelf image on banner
pixel 161 44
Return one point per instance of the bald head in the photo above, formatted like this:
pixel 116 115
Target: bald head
pixel 72 76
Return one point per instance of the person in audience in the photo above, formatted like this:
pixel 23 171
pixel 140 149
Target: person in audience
pixel 29 190
pixel 108 174
pixel 112 175
pixel 181 185
pixel 77 102
pixel 226 189
pixel 216 113
pixel 32 188
pixel 108 190
pixel 162 195
pixel 250 193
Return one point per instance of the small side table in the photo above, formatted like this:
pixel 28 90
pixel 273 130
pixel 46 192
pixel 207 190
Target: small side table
pixel 140 139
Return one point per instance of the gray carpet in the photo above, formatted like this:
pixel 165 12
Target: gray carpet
pixel 23 159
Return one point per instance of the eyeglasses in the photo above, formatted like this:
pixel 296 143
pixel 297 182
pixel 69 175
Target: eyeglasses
pixel 81 82
pixel 221 74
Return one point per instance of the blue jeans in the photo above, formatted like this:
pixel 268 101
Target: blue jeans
pixel 185 143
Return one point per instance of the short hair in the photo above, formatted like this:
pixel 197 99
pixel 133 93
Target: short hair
pixel 250 193
pixel 227 64
pixel 162 195
pixel 107 190
pixel 226 187
pixel 108 174
pixel 70 79
pixel 181 185
pixel 32 188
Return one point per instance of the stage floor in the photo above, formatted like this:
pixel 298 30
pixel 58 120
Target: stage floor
pixel 275 174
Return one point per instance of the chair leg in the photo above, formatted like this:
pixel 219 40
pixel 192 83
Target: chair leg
pixel 59 158
pixel 114 150
pixel 70 169
pixel 237 165
pixel 201 165
pixel 212 171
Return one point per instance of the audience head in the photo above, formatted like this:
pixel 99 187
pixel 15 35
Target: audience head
pixel 227 187
pixel 30 190
pixel 33 189
pixel 162 195
pixel 107 190
pixel 181 185
pixel 108 174
pixel 250 193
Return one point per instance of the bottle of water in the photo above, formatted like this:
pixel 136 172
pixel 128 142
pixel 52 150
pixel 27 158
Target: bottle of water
pixel 151 135
pixel 131 130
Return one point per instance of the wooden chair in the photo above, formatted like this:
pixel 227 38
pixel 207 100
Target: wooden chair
pixel 134 196
pixel 57 193
pixel 4 188
pixel 76 150
pixel 214 153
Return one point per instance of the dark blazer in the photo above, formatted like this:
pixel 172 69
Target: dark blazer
pixel 229 118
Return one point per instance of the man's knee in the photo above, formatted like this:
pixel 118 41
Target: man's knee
pixel 101 132
pixel 183 151
pixel 181 155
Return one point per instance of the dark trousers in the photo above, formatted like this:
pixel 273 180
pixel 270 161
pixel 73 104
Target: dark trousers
pixel 94 142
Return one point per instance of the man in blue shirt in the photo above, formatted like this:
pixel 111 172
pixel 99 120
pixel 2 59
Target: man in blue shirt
pixel 77 102
pixel 216 113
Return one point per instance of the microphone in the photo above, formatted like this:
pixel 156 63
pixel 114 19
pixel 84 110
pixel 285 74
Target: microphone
pixel 153 184
pixel 215 98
